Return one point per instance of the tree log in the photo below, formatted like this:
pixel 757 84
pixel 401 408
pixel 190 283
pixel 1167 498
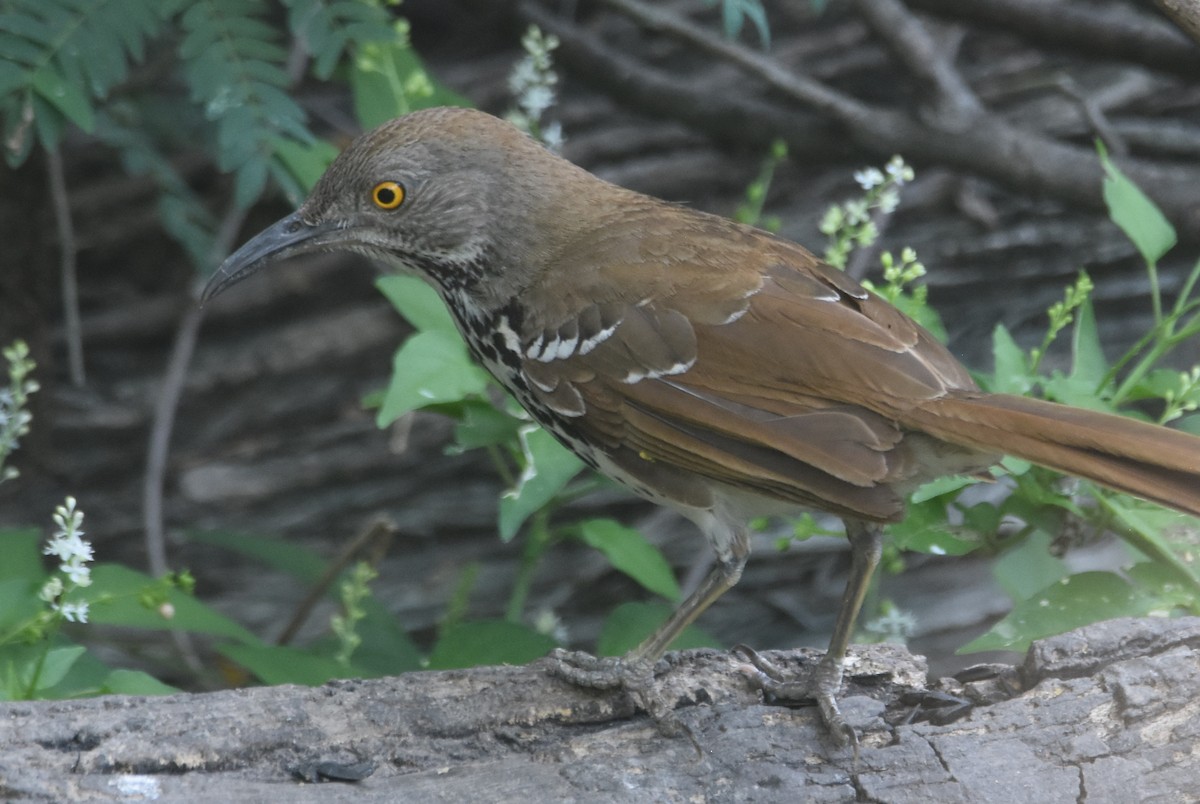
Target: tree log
pixel 1110 712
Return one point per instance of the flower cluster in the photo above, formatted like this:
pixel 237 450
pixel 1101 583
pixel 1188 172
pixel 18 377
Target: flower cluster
pixel 894 625
pixel 74 552
pixel 14 418
pixel 849 225
pixel 532 85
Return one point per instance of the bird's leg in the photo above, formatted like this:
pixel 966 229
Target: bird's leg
pixel 866 544
pixel 634 672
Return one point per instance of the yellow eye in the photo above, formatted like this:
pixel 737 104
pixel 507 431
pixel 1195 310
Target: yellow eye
pixel 388 194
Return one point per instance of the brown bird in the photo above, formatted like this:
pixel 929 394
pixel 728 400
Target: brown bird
pixel 706 365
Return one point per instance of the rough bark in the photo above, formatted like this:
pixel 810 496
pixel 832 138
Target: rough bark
pixel 1107 713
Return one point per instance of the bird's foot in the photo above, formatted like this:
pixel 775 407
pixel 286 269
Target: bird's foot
pixel 632 675
pixel 822 685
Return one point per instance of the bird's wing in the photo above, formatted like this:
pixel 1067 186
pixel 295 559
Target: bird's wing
pixel 777 377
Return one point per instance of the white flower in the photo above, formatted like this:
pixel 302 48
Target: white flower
pixel 889 199
pixel 552 136
pixel 536 99
pixel 78 574
pixel 868 178
pixel 899 172
pixel 69 548
pixel 74 612
pixel 524 75
pixel 51 589
pixel 857 212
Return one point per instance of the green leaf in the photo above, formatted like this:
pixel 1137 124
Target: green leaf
pixel 1080 393
pixel 1138 216
pixel 629 551
pixel 549 467
pixel 630 623
pixel 431 367
pixel 1143 527
pixel 482 425
pixel 925 530
pixel 134 682
pixel 115 600
pixel 65 97
pixel 1029 567
pixel 419 303
pixel 1163 582
pixel 19 603
pixel 386 647
pixel 306 162
pixel 382 82
pixel 57 664
pixel 21 555
pixel 285 556
pixel 328 27
pixel 942 486
pixel 1072 602
pixel 279 664
pixel 1011 375
pixel 1088 364
pixel 1155 385
pixel 488 642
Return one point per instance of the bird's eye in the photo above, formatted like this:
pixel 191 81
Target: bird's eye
pixel 388 194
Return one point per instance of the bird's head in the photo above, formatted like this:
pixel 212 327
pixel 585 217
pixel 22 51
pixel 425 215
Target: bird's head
pixel 452 195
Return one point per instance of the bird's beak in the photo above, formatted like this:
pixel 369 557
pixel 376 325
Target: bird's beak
pixel 288 237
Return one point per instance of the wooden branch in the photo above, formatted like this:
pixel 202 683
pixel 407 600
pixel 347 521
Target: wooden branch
pixel 910 40
pixel 1111 31
pixel 662 94
pixel 990 146
pixel 1111 707
pixel 1184 13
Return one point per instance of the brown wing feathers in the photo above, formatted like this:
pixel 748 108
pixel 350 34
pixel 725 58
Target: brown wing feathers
pixel 788 379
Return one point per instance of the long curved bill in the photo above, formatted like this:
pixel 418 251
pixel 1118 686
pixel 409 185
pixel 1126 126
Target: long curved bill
pixel 286 238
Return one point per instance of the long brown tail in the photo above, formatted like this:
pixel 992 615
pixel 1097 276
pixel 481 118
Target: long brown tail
pixel 1146 460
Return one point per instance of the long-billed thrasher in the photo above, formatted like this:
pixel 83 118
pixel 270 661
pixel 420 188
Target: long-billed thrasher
pixel 706 365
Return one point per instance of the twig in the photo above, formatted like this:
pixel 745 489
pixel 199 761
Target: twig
pixel 1184 13
pixel 992 147
pixel 811 93
pixel 163 423
pixel 1110 30
pixel 658 93
pixel 67 255
pixel 911 42
pixel 1094 114
pixel 376 536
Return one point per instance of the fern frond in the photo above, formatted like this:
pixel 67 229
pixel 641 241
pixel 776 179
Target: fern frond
pixel 57 56
pixel 330 27
pixel 183 214
pixel 233 62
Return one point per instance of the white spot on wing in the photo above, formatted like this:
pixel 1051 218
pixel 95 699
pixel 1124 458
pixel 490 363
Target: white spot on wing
pixel 511 340
pixel 547 387
pixel 678 368
pixel 566 348
pixel 637 375
pixel 590 343
pixel 535 348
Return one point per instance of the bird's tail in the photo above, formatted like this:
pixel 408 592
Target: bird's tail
pixel 1145 460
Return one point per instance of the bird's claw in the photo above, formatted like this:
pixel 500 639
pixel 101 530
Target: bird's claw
pixel 632 675
pixel 822 685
